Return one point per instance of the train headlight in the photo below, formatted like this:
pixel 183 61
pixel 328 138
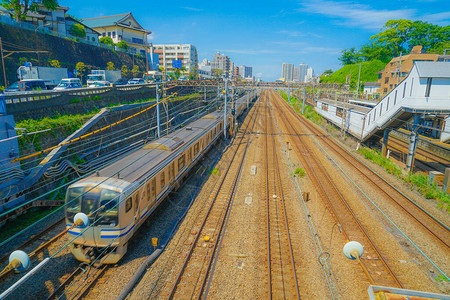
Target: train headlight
pixel 81 220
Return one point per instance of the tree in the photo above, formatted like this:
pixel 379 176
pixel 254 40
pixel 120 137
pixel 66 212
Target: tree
pixel 110 66
pixel 22 7
pixel 400 36
pixel 217 73
pixel 135 71
pixel 124 71
pixel 122 45
pixel 349 56
pixel 80 67
pixel 55 63
pixel 329 71
pixel 193 73
pixel 77 30
pixel 106 40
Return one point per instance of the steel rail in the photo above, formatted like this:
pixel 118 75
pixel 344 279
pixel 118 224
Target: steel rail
pixel 277 179
pixel 191 250
pixel 414 210
pixel 333 189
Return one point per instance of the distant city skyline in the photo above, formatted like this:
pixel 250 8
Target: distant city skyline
pixel 263 36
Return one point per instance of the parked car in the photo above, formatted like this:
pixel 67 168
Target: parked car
pixel 121 81
pixel 26 85
pixel 68 83
pixel 182 78
pixel 100 84
pixel 136 81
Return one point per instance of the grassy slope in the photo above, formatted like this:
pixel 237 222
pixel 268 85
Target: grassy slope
pixel 369 71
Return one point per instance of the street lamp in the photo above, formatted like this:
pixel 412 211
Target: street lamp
pixel 35 35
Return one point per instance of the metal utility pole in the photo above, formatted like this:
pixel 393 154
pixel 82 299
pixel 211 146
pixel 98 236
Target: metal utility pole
pixel 248 97
pixel 359 76
pixel 304 97
pixel 157 111
pixel 289 92
pixel 225 111
pixel 3 63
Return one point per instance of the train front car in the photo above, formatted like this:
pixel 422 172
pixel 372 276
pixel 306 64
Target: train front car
pixel 100 199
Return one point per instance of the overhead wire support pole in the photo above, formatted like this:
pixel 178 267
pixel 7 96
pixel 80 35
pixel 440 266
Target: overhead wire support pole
pixel 3 63
pixel 225 111
pixel 157 111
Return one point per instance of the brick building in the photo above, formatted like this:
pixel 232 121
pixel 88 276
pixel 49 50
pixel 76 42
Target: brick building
pixel 399 67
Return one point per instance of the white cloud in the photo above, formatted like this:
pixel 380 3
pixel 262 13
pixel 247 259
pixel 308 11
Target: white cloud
pixel 192 8
pixel 249 51
pixel 441 18
pixel 356 15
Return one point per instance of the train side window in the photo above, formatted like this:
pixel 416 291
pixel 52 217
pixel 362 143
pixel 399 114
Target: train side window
pixel 163 179
pixel 195 149
pixel 171 171
pixel 128 205
pixel 153 188
pixel 148 190
pixel 181 163
pixel 137 197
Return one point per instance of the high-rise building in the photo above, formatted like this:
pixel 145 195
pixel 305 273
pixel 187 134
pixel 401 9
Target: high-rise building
pixel 302 72
pixel 187 53
pixel 287 72
pixel 296 74
pixel 309 74
pixel 245 71
pixel 222 62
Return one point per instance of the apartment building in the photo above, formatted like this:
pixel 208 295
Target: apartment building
pixel 223 62
pixel 399 67
pixel 186 53
pixel 287 72
pixel 302 69
pixel 123 27
pixel 245 71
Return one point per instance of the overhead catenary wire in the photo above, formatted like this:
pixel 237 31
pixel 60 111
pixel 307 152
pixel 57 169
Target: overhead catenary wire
pixel 87 227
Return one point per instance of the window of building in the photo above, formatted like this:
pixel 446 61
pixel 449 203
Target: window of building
pixel 104 34
pixel 113 34
pixel 324 106
pixel 392 74
pixel 404 74
pixel 109 34
pixel 412 83
pixel 385 90
pixel 395 98
pixel 339 111
pixel 390 86
pixel 428 89
pixel 404 90
pixel 386 80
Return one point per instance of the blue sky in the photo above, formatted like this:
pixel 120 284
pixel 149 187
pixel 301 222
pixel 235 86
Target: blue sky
pixel 266 34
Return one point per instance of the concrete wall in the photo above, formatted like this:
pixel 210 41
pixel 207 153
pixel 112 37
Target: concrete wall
pixel 66 51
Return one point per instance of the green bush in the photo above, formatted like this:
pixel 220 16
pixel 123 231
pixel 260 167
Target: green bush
pixel 300 172
pixel 122 45
pixel 106 40
pixel 77 30
pixel 75 100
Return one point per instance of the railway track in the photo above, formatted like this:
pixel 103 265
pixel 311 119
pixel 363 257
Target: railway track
pixel 373 263
pixel 33 239
pixel 282 272
pixel 79 282
pixel 192 279
pixel 436 228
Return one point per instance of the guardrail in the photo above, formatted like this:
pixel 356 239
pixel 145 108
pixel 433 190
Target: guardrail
pixel 21 97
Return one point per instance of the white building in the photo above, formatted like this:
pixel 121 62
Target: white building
pixel 371 87
pixel 245 71
pixel 302 72
pixel 309 74
pixel 123 27
pixel 187 53
pixel 287 72
pixel 296 74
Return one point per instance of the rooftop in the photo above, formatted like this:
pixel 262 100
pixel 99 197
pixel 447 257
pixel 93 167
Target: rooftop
pixel 436 69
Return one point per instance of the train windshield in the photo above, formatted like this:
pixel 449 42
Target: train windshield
pixel 92 201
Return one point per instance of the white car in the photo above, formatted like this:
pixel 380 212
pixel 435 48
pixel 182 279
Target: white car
pixel 99 84
pixel 68 83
